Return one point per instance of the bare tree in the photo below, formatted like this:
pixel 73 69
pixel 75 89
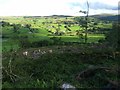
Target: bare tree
pixel 86 19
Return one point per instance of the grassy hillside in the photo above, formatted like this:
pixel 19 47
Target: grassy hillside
pixel 46 52
pixel 107 17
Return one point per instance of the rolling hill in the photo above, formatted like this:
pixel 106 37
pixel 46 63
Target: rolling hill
pixel 107 17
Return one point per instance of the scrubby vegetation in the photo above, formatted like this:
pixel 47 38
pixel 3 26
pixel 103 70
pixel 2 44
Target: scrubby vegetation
pixel 45 52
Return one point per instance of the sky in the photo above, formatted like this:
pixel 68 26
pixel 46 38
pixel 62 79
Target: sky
pixel 56 7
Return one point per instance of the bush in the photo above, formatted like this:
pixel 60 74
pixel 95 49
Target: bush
pixel 41 43
pixel 24 42
pixel 113 36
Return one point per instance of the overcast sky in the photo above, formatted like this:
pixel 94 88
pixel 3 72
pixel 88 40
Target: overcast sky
pixel 55 7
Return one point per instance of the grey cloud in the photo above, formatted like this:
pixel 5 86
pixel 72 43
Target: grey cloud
pixel 98 5
pixel 95 5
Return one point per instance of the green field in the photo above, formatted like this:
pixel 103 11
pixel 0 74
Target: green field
pixel 44 29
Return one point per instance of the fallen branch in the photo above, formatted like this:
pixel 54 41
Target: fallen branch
pixel 90 72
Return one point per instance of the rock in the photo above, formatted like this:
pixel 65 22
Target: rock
pixel 50 51
pixel 25 53
pixel 43 52
pixel 67 86
pixel 39 50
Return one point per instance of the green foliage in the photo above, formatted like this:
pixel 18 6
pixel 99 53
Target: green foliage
pixel 41 43
pixel 81 21
pixel 28 26
pixel 5 23
pixel 56 39
pixel 38 32
pixel 52 70
pixel 113 36
pixel 16 27
pixel 24 42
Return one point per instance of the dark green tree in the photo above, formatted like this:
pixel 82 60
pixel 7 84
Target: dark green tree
pixel 28 26
pixel 16 27
pixel 5 24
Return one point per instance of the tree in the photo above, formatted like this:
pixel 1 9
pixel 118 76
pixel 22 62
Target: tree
pixel 67 29
pixel 16 27
pixel 28 26
pixel 57 29
pixel 5 23
pixel 86 21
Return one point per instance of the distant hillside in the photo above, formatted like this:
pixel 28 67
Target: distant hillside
pixel 31 16
pixel 107 17
pixel 61 16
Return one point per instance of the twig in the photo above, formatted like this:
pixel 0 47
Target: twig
pixel 11 77
pixel 31 75
pixel 10 73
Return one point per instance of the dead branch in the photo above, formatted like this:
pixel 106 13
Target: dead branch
pixel 13 77
pixel 9 65
pixel 90 72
